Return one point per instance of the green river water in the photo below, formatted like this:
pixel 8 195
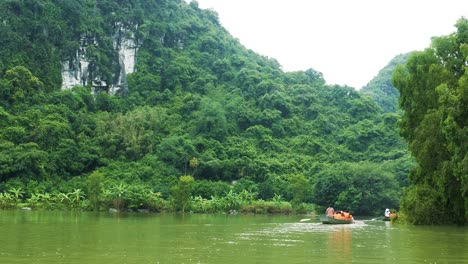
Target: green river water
pixel 73 237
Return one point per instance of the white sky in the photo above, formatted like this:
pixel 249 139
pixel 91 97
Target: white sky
pixel 349 41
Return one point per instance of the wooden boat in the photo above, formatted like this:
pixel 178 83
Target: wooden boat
pixel 332 221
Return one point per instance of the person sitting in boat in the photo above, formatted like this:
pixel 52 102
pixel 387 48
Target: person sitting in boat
pixel 347 215
pixel 330 211
pixel 387 212
pixel 339 215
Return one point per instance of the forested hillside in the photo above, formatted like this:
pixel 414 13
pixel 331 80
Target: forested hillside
pixel 195 104
pixel 380 88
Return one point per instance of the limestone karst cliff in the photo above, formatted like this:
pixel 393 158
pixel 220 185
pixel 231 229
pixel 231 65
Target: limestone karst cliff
pixel 81 70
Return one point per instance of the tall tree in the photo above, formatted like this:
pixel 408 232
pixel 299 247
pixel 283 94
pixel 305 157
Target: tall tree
pixel 433 89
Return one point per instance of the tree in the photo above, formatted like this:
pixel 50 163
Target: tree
pixel 433 89
pixel 182 193
pixel 363 188
pixel 196 92
pixel 23 160
pixel 20 85
pixel 211 119
pixel 300 188
pixel 95 189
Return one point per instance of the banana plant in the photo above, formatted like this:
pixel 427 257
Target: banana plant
pixel 108 196
pixel 215 203
pixel 47 200
pixel 120 190
pixel 118 194
pixel 76 196
pixel 277 198
pixel 247 196
pixel 17 195
pixel 5 200
pixel 33 200
pixel 64 198
pixel 156 201
pixel 200 204
pixel 231 201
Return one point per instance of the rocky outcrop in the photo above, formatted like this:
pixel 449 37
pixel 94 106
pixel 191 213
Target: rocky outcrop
pixel 83 70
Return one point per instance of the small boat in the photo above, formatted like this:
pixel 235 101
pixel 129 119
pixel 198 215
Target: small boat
pixel 332 221
pixel 388 218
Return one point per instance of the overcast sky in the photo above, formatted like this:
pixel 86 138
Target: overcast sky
pixel 349 41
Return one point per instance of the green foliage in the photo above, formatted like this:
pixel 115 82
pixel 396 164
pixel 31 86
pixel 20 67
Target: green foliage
pixel 19 86
pixel 182 193
pixel 199 104
pixel 210 121
pixel 21 160
pixel 76 197
pixel 425 204
pixel 380 88
pixel 433 88
pixel 115 196
pixel 207 189
pixel 95 189
pixel 300 188
pixel 361 188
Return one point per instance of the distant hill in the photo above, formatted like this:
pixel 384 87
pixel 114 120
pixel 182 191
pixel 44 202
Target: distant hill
pixel 381 90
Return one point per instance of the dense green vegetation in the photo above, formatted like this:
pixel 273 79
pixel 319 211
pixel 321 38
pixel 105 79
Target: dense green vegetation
pixel 433 89
pixel 206 125
pixel 380 88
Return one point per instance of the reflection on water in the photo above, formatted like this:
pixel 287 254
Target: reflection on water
pixel 65 237
pixel 330 243
pixel 339 242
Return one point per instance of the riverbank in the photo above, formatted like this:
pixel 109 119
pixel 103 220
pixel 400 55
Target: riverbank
pixel 151 202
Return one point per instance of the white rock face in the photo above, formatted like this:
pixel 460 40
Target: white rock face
pixel 127 54
pixel 70 77
pixel 124 43
pixel 76 70
pixel 75 73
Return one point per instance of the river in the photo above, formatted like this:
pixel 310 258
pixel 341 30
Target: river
pixel 84 237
